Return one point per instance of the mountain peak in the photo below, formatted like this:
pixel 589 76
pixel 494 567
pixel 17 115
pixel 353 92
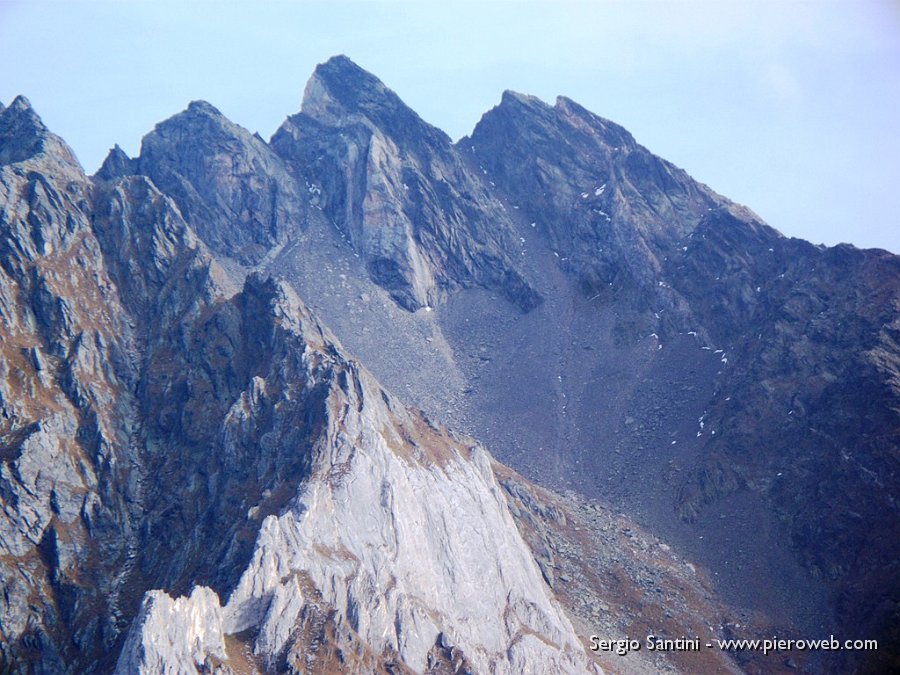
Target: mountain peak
pixel 21 117
pixel 340 92
pixel 201 121
pixel 228 184
pixel 341 63
pixel 564 114
pixel 510 96
pixel 342 67
pixel 22 104
pixel 204 108
pixel 516 105
pixel 116 165
pixel 340 85
pixel 23 135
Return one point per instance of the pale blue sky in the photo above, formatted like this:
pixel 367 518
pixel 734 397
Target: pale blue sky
pixel 790 108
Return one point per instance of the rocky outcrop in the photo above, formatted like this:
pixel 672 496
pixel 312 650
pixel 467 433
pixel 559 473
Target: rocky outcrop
pixel 399 192
pixel 160 418
pixel 189 458
pixel 228 184
pixel 67 412
pixel 399 549
pixel 170 637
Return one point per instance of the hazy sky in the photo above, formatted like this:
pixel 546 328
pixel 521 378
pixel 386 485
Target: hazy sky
pixel 790 108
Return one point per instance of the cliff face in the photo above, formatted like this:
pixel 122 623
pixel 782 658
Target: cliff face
pixel 228 184
pixel 67 482
pixel 398 191
pixel 195 475
pixel 165 427
pixel 398 550
pixel 801 410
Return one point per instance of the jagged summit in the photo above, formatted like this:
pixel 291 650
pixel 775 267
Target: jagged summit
pixel 20 123
pixel 228 183
pixel 204 107
pixel 22 104
pixel 198 118
pixel 173 415
pixel 567 121
pixel 339 92
pixel 24 136
pixel 510 97
pixel 116 165
pixel 516 103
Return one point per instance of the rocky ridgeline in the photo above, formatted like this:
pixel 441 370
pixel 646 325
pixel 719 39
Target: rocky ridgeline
pixel 399 550
pixel 68 413
pixel 165 428
pixel 399 190
pixel 802 408
pixel 195 475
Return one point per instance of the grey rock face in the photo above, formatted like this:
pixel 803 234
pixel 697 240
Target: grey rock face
pixel 116 165
pixel 25 136
pixel 606 204
pixel 810 412
pixel 228 184
pixel 66 409
pixel 172 637
pixel 398 549
pixel 173 419
pixel 803 401
pixel 398 191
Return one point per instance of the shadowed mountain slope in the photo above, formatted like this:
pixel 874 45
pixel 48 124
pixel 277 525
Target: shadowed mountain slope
pixel 176 421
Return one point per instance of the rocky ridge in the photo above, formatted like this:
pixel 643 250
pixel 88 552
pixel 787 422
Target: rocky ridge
pixel 361 571
pixel 67 411
pixel 746 380
pixel 398 191
pixel 801 410
pixel 146 360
